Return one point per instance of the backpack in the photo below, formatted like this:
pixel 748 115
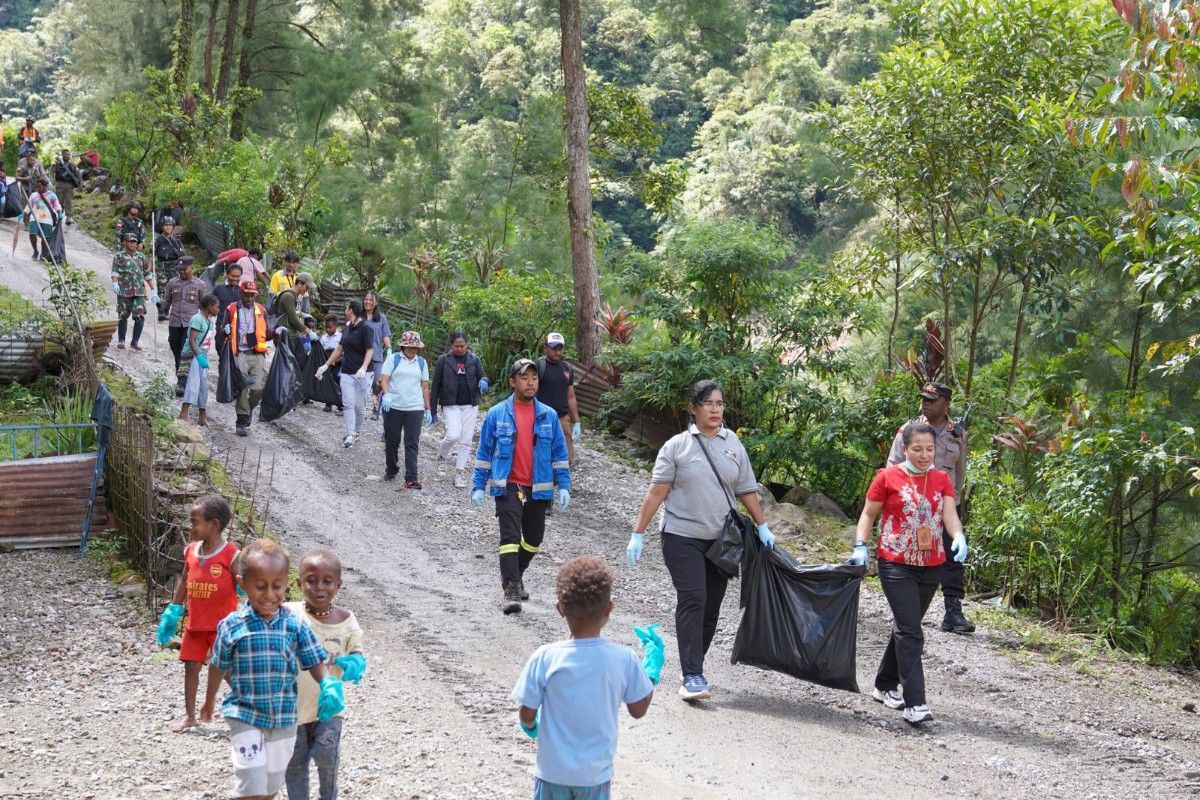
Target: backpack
pixel 273 311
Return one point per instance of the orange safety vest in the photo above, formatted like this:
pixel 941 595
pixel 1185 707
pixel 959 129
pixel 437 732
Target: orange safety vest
pixel 28 133
pixel 260 327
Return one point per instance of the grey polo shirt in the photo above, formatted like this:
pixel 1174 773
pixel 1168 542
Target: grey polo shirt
pixel 696 506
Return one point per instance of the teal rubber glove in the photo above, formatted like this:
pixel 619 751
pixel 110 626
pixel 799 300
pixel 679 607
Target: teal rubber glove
pixel 564 499
pixel 332 699
pixel 958 546
pixel 227 329
pixel 765 536
pixel 484 386
pixel 354 666
pixel 633 550
pixel 168 623
pixel 576 431
pixel 859 556
pixel 116 290
pixel 653 653
pixel 202 360
pixel 428 418
pixel 531 730
pixel 477 498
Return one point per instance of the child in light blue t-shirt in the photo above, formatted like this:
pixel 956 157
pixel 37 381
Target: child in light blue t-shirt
pixel 571 691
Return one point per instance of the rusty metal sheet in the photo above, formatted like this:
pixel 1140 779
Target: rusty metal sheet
pixel 43 500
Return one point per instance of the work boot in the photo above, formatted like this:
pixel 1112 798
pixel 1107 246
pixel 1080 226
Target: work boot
pixel 512 598
pixel 524 595
pixel 955 621
pixel 243 425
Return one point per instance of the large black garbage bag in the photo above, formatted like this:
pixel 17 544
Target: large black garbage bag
pixel 58 245
pixel 329 388
pixel 284 390
pixel 230 380
pixel 797 619
pixel 11 205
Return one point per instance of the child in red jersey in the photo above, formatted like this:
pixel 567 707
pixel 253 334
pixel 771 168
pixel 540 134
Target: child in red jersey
pixel 210 590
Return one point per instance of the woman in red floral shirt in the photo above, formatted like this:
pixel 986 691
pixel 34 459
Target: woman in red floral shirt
pixel 916 501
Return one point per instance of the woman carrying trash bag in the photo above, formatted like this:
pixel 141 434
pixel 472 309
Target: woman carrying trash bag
pixel 916 502
pixel 695 507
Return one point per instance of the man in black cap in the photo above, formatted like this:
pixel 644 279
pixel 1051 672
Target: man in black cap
pixel 522 463
pixel 132 223
pixel 180 301
pixel 950 456
pixel 168 249
pixel 130 274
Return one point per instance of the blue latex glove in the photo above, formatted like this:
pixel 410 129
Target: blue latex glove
pixel 227 328
pixel 859 556
pixel 354 666
pixel 433 419
pixel 484 385
pixel 168 623
pixel 202 360
pixel 155 298
pixel 958 546
pixel 385 403
pixel 564 499
pixel 576 431
pixel 633 550
pixel 116 290
pixel 531 730
pixel 332 699
pixel 653 652
pixel 387 354
pixel 428 417
pixel 765 536
pixel 477 498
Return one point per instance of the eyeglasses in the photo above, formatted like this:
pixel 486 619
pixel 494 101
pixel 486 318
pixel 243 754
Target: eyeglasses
pixel 714 405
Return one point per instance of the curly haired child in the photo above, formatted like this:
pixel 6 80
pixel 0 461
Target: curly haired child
pixel 570 692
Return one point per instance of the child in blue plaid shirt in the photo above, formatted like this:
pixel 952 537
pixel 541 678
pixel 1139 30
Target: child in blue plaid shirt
pixel 260 648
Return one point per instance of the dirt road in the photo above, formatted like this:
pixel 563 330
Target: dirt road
pixel 88 702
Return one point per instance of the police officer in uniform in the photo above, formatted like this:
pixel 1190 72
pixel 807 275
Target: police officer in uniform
pixel 950 456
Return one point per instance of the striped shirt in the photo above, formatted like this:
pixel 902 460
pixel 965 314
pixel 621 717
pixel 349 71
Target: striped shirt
pixel 261 660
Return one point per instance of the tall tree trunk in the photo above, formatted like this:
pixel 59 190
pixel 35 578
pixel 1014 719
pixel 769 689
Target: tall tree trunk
pixel 1016 351
pixel 210 41
pixel 579 193
pixel 231 20
pixel 237 120
pixel 185 31
pixel 1135 344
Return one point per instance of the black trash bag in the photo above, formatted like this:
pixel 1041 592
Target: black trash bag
pixel 58 245
pixel 797 619
pixel 230 380
pixel 284 390
pixel 329 388
pixel 11 205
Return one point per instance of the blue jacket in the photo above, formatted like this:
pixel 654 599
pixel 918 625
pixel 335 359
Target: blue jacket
pixel 493 461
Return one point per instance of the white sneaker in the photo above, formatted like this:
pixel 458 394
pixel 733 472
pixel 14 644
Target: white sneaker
pixel 348 441
pixel 460 479
pixel 441 467
pixel 915 715
pixel 893 700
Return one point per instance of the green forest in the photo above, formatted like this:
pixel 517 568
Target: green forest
pixel 821 203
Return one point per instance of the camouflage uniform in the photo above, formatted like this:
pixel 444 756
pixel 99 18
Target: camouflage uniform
pixel 130 271
pixel 128 224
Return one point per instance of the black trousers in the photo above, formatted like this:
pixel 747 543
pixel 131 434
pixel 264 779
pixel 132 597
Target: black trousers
pixel 699 590
pixel 175 337
pixel 909 590
pixel 404 425
pixel 522 529
pixel 952 575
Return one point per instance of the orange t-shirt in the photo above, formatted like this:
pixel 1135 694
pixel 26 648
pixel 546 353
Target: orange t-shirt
pixel 522 463
pixel 211 591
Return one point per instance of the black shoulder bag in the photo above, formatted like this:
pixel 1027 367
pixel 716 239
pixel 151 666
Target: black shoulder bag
pixel 726 550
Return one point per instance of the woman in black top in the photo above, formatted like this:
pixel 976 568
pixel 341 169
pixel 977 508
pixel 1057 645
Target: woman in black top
pixel 458 381
pixel 354 351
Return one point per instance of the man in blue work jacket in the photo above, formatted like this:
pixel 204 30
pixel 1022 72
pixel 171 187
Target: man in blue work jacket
pixel 522 462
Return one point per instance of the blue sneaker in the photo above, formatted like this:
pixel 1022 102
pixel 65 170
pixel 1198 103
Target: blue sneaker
pixel 694 688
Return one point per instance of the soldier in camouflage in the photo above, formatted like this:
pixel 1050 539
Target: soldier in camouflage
pixel 132 223
pixel 130 271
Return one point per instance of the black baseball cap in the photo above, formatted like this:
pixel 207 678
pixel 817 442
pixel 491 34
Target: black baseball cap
pixel 932 391
pixel 519 366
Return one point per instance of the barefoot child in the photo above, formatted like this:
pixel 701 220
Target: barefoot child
pixel 207 584
pixel 571 691
pixel 260 648
pixel 338 632
pixel 193 359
